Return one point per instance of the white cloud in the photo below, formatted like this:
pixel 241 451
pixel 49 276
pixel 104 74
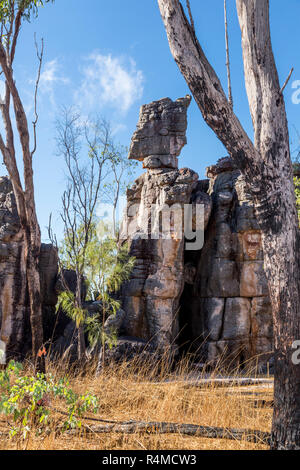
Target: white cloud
pixel 110 81
pixel 118 128
pixel 50 75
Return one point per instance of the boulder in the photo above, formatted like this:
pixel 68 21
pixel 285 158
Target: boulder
pixel 48 274
pixel 160 134
pixel 132 350
pixel 237 319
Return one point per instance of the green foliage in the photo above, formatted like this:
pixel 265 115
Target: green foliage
pixel 28 8
pixel 66 302
pixel 27 401
pixel 96 333
pixel 107 266
pixel 72 250
pixel 297 191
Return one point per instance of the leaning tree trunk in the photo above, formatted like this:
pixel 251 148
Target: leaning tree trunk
pixel 268 172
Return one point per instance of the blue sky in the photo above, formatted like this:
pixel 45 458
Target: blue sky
pixel 112 56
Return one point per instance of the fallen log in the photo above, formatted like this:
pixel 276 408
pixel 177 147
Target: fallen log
pixel 215 382
pixel 222 383
pixel 208 432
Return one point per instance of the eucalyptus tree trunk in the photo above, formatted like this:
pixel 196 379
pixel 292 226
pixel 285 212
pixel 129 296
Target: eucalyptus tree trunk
pixel 268 171
pixel 32 252
pixel 25 200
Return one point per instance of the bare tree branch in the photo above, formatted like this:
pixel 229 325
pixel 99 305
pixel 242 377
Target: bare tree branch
pixel 207 89
pixel 191 16
pixel 230 100
pixel 40 55
pixel 287 81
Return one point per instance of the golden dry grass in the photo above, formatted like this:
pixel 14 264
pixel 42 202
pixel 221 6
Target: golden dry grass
pixel 126 393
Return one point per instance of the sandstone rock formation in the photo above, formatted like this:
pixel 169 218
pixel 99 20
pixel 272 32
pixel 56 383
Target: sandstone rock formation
pixel 228 306
pixel 151 297
pixel 160 134
pixel 211 301
pixel 14 310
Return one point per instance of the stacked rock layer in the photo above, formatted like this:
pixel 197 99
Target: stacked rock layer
pixel 212 301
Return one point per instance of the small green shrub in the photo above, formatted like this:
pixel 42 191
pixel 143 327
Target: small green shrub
pixel 27 401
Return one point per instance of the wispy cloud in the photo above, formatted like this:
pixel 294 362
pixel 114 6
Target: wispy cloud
pixel 112 81
pixel 50 77
pixel 117 128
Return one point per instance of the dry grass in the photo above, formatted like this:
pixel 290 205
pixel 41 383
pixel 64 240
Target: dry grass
pixel 126 393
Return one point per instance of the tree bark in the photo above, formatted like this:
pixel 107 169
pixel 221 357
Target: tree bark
pixel 276 210
pixel 25 200
pixel 268 171
pixel 206 432
pixel 230 100
pixel 33 282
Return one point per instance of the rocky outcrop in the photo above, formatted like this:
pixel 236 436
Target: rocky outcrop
pixel 210 299
pixel 13 295
pixel 160 134
pixel 153 224
pixel 14 310
pixel 229 299
pixel 213 300
pixel 138 352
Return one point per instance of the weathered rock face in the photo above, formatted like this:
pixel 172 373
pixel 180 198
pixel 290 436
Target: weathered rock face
pixel 231 284
pixel 151 297
pixel 14 311
pixel 160 134
pixel 13 301
pixel 213 300
pixel 227 308
pixel 48 280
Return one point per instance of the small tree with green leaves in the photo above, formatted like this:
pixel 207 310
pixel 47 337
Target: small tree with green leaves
pixel 88 151
pixel 108 267
pixel 27 402
pixel 96 166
